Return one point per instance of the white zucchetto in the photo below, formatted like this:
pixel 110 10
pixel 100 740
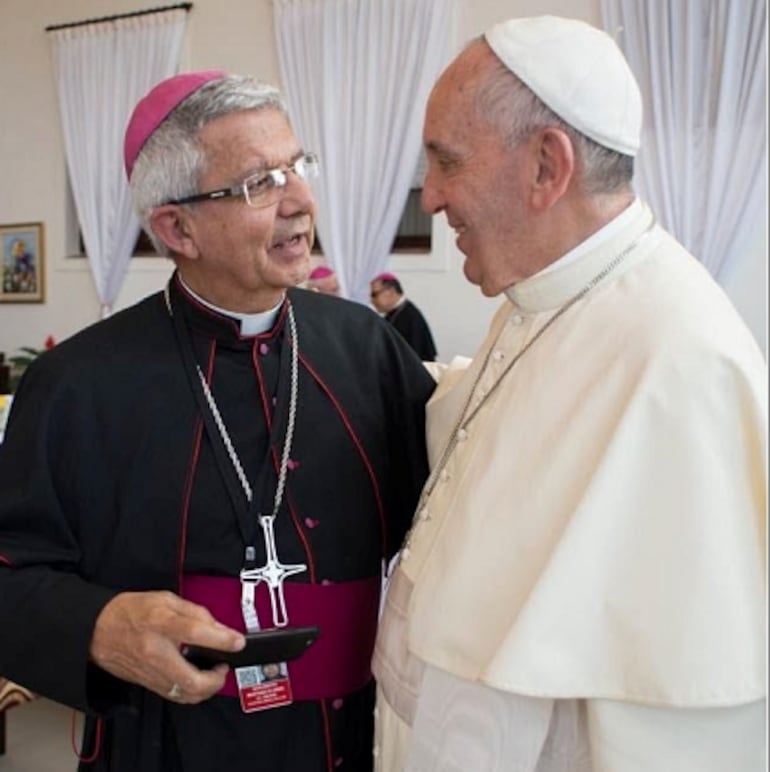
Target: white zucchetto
pixel 579 72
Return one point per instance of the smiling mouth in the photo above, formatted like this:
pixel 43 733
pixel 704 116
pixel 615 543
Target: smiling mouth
pixel 460 231
pixel 288 242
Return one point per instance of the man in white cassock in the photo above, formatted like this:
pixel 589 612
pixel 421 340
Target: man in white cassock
pixel 583 588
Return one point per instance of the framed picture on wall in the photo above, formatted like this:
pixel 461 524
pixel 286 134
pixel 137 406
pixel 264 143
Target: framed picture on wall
pixel 22 257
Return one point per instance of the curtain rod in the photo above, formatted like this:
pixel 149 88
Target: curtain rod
pixel 52 27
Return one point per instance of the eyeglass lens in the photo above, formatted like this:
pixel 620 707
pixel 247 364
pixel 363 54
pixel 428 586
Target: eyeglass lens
pixel 265 188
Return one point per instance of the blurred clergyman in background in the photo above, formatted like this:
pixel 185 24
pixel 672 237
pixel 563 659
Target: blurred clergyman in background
pixel 323 279
pixel 388 298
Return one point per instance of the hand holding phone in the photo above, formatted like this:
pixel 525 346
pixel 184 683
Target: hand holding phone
pixel 274 645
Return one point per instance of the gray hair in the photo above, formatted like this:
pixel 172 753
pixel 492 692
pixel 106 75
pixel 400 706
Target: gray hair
pixel 172 161
pixel 508 104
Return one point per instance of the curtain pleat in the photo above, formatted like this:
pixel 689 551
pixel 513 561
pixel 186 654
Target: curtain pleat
pixel 101 71
pixel 702 68
pixel 357 75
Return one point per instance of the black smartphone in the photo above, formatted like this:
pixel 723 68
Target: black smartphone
pixel 275 645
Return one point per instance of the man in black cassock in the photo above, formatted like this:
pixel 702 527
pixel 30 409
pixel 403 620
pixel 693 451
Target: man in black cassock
pixel 228 455
pixel 387 296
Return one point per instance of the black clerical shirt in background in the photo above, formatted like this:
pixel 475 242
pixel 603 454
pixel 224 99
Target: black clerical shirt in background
pixel 410 322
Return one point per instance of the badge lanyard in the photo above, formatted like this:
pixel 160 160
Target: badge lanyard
pixel 273 572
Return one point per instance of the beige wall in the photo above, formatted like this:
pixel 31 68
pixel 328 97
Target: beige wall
pixel 235 35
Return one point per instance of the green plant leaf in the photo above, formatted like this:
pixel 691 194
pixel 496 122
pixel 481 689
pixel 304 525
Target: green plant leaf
pixel 21 361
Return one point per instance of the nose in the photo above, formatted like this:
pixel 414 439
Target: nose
pixel 431 199
pixel 297 195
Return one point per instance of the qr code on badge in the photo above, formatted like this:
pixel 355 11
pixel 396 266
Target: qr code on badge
pixel 248 676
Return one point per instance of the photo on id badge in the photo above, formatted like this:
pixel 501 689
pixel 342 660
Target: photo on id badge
pixel 273 671
pixel 261 687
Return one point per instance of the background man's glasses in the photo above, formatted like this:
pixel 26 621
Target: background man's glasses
pixel 373 294
pixel 263 188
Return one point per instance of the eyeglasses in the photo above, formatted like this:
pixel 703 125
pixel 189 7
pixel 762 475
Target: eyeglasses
pixel 263 188
pixel 373 294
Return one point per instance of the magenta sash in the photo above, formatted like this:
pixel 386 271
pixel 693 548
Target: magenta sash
pixel 339 662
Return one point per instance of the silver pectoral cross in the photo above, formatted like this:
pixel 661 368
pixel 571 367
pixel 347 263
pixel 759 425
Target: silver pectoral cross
pixel 273 573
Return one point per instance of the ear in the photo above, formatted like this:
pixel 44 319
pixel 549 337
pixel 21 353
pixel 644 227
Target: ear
pixel 556 167
pixel 171 224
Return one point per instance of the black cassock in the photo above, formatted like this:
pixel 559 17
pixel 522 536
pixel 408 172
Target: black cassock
pixel 109 483
pixel 410 322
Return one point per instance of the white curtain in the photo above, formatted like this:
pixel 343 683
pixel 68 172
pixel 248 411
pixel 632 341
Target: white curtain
pixel 357 74
pixel 102 70
pixel 702 68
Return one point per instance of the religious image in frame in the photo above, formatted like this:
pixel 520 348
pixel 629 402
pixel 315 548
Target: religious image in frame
pixel 23 262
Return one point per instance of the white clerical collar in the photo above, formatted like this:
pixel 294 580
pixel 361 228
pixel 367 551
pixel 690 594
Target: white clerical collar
pixel 251 324
pixel 400 302
pixel 604 234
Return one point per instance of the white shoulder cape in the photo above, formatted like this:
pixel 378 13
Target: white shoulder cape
pixel 600 530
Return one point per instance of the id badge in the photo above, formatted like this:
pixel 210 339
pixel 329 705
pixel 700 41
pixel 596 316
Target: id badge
pixel 262 687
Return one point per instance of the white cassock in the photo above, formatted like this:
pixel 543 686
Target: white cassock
pixel 584 590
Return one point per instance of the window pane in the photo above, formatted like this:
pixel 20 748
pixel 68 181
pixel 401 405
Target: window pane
pixel 414 230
